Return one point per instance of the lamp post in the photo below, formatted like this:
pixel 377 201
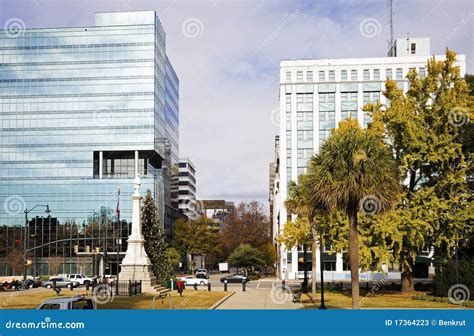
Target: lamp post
pixel 321 242
pixel 25 235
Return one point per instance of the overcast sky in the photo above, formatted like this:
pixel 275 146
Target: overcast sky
pixel 227 53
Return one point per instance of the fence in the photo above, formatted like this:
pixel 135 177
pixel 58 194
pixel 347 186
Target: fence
pixel 130 288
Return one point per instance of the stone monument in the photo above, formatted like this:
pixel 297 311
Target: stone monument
pixel 136 265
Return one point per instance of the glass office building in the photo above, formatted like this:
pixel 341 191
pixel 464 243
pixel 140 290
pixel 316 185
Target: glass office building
pixel 82 110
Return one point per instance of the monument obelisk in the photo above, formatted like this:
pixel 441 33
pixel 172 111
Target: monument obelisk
pixel 136 265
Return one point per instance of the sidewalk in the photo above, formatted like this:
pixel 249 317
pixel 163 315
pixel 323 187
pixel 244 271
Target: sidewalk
pixel 260 299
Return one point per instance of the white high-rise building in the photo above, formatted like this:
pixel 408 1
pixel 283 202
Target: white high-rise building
pixel 187 188
pixel 315 95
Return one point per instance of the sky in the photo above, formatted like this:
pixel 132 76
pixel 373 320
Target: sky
pixel 227 54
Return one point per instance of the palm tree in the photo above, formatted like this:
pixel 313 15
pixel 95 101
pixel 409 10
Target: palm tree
pixel 299 202
pixel 354 169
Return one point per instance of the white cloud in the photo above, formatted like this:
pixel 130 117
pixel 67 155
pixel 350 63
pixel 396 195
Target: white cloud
pixel 229 73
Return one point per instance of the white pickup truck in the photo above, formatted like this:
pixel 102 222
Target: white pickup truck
pixel 81 279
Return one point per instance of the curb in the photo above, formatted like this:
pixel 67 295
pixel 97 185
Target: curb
pixel 221 301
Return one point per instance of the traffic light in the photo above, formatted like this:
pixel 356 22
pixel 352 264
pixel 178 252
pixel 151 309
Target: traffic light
pixel 76 249
pixel 17 242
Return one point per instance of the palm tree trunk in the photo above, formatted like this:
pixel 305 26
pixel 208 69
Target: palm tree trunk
pixel 313 268
pixel 354 256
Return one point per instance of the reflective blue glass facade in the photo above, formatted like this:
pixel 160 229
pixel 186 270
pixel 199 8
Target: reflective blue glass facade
pixel 81 109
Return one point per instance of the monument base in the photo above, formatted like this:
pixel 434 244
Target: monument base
pixel 137 273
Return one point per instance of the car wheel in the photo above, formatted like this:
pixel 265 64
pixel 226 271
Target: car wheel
pixel 70 286
pixel 185 283
pixel 30 286
pixel 49 286
pixel 202 283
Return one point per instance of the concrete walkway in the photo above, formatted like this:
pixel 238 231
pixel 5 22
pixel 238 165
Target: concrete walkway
pixel 256 297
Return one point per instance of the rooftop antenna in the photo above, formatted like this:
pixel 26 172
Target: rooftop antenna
pixel 390 22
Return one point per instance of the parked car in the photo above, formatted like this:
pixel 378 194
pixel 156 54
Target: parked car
pixel 80 278
pixel 32 283
pixel 239 278
pixel 60 283
pixel 191 280
pixel 202 273
pixel 75 302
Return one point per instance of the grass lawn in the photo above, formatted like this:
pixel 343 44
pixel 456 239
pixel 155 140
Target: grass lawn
pixel 191 299
pixel 382 299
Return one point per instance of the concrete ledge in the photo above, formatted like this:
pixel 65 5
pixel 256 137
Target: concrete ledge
pixel 221 301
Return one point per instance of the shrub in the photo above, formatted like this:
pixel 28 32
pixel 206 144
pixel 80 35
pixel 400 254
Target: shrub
pixel 446 277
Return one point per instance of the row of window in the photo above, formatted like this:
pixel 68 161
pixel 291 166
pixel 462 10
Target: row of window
pixel 346 75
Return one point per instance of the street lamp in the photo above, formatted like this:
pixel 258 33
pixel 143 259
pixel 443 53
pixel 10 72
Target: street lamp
pixel 312 237
pixel 25 235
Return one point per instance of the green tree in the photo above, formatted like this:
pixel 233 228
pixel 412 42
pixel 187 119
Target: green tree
pixel 426 129
pixel 269 254
pixel 174 258
pixel 246 256
pixel 354 169
pixel 195 237
pixel 154 236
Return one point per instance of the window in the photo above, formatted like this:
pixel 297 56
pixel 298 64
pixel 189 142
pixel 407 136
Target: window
pixel 332 76
pixel 369 97
pixel 322 76
pixel 366 74
pixel 304 98
pixel 422 72
pixel 344 75
pixel 309 76
pixel 288 76
pixel 50 306
pixel 348 105
pixel 388 73
pixel 329 265
pixel 413 48
pixel 399 73
pixel 376 74
pixel 299 76
pixel 353 75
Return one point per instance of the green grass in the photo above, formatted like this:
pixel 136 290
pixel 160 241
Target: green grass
pixel 191 299
pixel 382 299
